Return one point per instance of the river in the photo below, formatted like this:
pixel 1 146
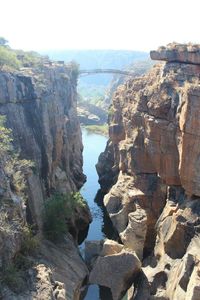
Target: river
pixel 101 225
pixel 93 144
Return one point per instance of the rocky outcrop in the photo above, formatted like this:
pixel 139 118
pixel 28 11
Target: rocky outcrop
pixel 59 273
pixel 90 114
pixel 115 268
pixel 189 54
pixel 154 198
pixel 137 69
pixel 40 109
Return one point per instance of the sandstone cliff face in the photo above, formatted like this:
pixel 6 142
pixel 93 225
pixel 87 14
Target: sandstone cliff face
pixel 40 108
pixel 155 198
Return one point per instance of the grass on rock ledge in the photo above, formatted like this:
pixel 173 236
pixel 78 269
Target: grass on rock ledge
pixel 99 129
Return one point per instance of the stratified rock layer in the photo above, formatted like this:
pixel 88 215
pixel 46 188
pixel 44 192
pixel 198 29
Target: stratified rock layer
pixel 154 150
pixel 178 53
pixel 40 109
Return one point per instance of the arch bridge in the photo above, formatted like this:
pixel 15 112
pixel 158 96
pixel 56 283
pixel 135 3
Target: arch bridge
pixel 108 71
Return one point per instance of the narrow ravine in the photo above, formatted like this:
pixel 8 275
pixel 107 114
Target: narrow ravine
pixel 101 226
pixel 93 144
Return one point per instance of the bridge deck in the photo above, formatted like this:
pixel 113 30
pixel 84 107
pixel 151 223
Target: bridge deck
pixel 109 71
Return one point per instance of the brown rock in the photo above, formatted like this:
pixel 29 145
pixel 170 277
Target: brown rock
pixel 111 247
pixel 156 192
pixel 178 53
pixel 40 107
pixel 67 266
pixel 189 141
pixel 122 201
pixel 92 251
pixel 134 235
pixel 116 271
pixel 193 288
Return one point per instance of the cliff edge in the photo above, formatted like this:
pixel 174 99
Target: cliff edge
pixel 40 108
pixel 150 169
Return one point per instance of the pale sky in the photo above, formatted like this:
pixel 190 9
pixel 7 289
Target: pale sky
pixel 99 24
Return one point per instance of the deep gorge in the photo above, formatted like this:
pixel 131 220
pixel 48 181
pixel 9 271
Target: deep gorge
pixel 149 174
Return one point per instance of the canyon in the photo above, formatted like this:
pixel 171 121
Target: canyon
pixel 149 173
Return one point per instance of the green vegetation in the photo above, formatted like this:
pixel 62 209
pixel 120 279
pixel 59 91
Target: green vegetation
pixel 100 129
pixel 13 166
pixel 15 169
pixel 30 242
pixel 30 58
pixel 58 210
pixel 13 278
pixel 3 41
pixel 8 58
pixel 91 92
pixel 11 59
pixel 5 138
pixel 74 67
pixel 14 275
pixel 111 111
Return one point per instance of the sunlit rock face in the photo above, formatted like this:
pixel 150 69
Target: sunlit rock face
pixel 184 53
pixel 154 148
pixel 40 109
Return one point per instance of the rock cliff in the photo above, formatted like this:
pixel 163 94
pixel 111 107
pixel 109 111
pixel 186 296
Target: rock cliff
pixel 40 109
pixel 150 169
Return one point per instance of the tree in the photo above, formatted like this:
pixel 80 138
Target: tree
pixel 8 58
pixel 3 42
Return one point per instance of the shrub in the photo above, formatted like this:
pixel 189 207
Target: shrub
pixel 77 200
pixel 30 242
pixel 5 138
pixel 22 262
pixel 58 209
pixel 99 129
pixel 3 41
pixel 111 111
pixel 14 274
pixel 13 278
pixel 30 58
pixel 74 68
pixel 14 167
pixel 8 58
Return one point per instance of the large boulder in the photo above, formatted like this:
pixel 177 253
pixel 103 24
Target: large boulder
pixel 92 251
pixel 111 247
pixel 116 271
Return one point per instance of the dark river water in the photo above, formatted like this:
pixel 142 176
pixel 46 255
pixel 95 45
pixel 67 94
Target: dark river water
pixel 93 144
pixel 101 225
